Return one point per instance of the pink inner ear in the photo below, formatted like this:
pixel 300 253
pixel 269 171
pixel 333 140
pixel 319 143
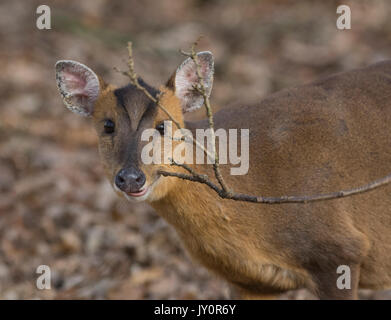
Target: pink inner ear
pixel 190 73
pixel 75 82
pixel 204 68
pixel 186 77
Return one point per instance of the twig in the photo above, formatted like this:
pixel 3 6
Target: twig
pixel 222 189
pixel 202 90
pixel 133 77
pixel 282 199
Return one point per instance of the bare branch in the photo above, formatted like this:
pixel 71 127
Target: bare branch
pixel 282 199
pixel 133 77
pixel 202 90
pixel 222 189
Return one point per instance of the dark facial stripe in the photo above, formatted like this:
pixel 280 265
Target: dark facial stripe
pixel 125 92
pixel 135 102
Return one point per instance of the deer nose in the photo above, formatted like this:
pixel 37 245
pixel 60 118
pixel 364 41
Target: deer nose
pixel 130 180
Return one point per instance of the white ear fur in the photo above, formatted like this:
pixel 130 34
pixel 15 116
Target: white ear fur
pixel 78 86
pixel 186 78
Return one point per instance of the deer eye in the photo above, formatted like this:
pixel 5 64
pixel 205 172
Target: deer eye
pixel 160 128
pixel 109 126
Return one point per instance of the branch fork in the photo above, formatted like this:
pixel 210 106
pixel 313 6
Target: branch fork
pixel 222 188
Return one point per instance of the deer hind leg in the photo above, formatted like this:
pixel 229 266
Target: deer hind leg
pixel 261 292
pixel 335 268
pixel 248 295
pixel 330 285
pixel 331 253
pixel 251 296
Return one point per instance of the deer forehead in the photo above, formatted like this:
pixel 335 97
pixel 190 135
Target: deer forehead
pixel 126 102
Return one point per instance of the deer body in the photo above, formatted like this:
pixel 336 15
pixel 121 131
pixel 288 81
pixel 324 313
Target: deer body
pixel 326 136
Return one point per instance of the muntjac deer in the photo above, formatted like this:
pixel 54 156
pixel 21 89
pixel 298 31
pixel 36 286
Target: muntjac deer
pixel 331 135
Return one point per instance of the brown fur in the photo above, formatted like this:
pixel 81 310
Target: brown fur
pixel 326 136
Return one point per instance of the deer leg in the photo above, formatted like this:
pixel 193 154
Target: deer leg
pixel 339 283
pixel 247 295
pixel 262 293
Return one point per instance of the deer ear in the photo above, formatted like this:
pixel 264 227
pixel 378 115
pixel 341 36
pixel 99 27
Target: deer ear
pixel 186 78
pixel 78 86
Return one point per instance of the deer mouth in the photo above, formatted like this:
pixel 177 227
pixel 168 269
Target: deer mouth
pixel 142 194
pixel 139 193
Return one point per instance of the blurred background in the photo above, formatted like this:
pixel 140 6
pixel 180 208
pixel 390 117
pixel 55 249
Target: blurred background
pixel 56 207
